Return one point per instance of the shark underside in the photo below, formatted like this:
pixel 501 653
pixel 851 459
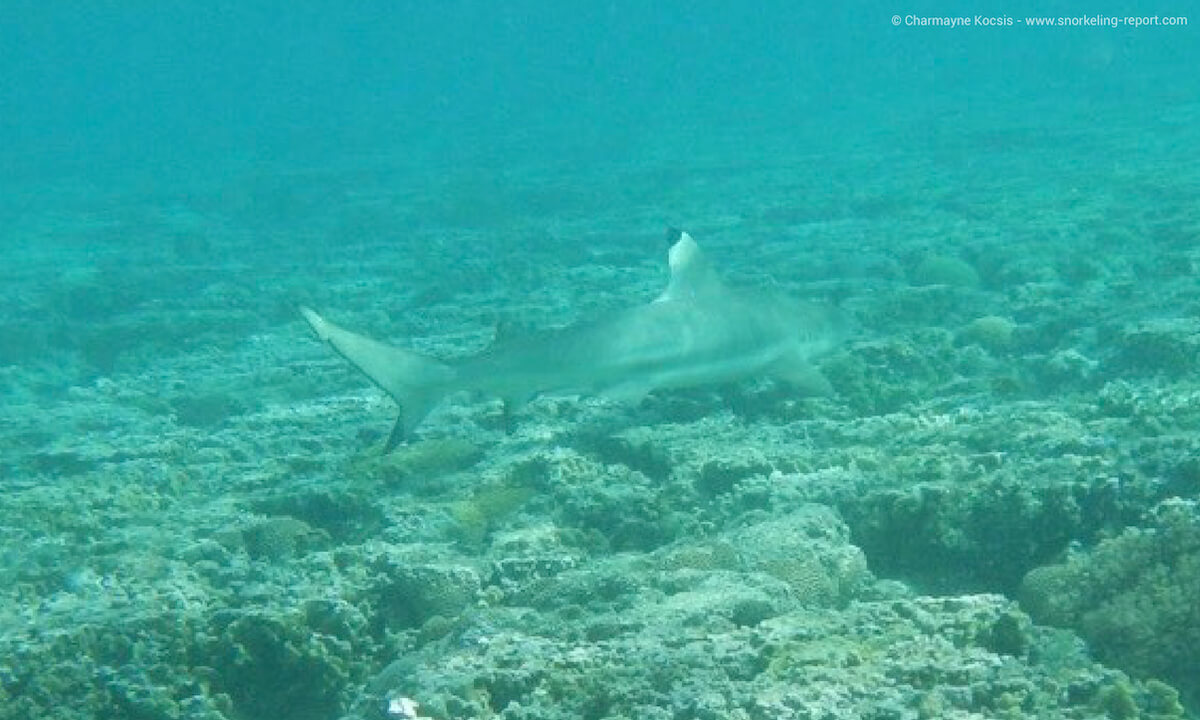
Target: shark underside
pixel 697 332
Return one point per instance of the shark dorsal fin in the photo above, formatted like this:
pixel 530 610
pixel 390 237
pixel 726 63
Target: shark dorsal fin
pixel 692 276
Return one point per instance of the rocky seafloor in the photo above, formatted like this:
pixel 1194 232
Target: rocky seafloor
pixel 994 516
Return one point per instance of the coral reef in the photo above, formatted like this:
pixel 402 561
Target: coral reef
pixel 1133 596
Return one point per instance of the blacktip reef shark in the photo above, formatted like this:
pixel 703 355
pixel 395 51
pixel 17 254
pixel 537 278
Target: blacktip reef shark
pixel 697 332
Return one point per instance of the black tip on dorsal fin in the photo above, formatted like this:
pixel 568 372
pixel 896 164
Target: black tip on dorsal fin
pixel 673 235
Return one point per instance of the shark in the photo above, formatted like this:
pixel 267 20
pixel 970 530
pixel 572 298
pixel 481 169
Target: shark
pixel 698 331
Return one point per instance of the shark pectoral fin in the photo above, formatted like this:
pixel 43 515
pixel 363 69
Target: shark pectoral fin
pixel 415 382
pixel 803 376
pixel 510 405
pixel 415 405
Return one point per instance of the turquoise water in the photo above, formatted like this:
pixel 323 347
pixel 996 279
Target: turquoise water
pixel 976 498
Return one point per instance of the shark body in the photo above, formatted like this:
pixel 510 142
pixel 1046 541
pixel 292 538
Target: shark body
pixel 697 332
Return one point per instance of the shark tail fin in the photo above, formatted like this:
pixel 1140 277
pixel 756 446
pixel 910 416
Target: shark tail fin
pixel 415 382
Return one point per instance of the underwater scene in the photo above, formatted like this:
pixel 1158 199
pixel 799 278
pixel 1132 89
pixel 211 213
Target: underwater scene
pixel 602 360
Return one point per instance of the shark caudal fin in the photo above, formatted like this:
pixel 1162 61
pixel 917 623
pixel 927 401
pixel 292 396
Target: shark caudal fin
pixel 415 382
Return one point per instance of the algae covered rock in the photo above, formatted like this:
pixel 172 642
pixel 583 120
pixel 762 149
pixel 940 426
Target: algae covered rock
pixel 407 595
pixel 992 332
pixel 273 666
pixel 277 538
pixel 809 550
pixel 945 270
pixel 1133 597
pixel 418 464
pixel 911 658
pixel 1169 346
